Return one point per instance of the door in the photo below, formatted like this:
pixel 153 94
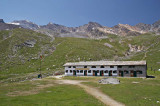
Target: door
pixel 95 73
pixel 121 73
pixel 101 73
pixel 132 73
pixel 74 72
pixel 135 74
pixel 85 72
pixel 110 73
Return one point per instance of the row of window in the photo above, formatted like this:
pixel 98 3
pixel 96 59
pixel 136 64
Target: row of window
pixel 138 72
pixel 78 71
pixel 89 71
pixel 106 71
pixel 91 66
pixel 103 66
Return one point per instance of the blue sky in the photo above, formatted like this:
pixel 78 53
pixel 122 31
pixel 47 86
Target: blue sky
pixel 74 13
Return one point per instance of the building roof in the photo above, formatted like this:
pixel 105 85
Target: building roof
pixel 106 63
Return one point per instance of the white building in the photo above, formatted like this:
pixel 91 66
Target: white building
pixel 107 68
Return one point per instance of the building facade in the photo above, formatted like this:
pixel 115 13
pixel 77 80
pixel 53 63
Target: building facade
pixel 107 68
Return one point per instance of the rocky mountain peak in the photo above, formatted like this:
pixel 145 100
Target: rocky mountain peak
pixel 142 26
pixel 26 24
pixel 1 21
pixel 50 23
pixel 94 24
pixel 6 26
pixel 156 24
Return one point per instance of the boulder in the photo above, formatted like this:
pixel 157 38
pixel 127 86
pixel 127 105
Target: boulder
pixel 109 81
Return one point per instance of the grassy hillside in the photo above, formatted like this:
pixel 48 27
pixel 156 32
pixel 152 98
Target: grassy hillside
pixel 15 56
pixel 26 60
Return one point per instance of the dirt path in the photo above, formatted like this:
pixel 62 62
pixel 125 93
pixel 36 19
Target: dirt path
pixel 94 92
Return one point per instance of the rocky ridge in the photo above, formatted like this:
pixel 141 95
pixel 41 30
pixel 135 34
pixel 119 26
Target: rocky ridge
pixel 5 26
pixel 90 30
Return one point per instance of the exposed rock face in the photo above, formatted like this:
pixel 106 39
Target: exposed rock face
pixel 143 27
pixel 156 27
pixel 135 48
pixel 57 28
pixel 30 43
pixel 27 43
pixel 125 30
pixel 108 45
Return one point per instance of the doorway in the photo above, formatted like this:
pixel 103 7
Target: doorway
pixel 101 73
pixel 74 72
pixel 94 73
pixel 85 72
pixel 121 73
pixel 135 74
pixel 132 73
pixel 110 73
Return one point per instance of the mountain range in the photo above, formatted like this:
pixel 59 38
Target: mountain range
pixel 90 30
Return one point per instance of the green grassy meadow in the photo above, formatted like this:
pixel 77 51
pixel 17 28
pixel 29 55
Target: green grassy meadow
pixel 130 91
pixel 55 95
pixel 143 93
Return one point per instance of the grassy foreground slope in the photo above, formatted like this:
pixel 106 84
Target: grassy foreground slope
pixel 45 93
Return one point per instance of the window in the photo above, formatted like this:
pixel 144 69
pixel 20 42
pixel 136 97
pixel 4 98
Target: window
pixel 70 71
pixel 106 71
pixel 102 66
pixel 66 71
pixel 93 67
pixel 74 66
pixel 69 66
pixel 89 71
pixel 77 71
pixel 81 71
pixel 111 66
pixel 139 72
pixel 85 66
pixel 131 66
pixel 119 66
pixel 97 71
pixel 126 72
pixel 114 71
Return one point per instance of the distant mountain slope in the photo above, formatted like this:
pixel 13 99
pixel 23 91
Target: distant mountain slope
pixel 91 30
